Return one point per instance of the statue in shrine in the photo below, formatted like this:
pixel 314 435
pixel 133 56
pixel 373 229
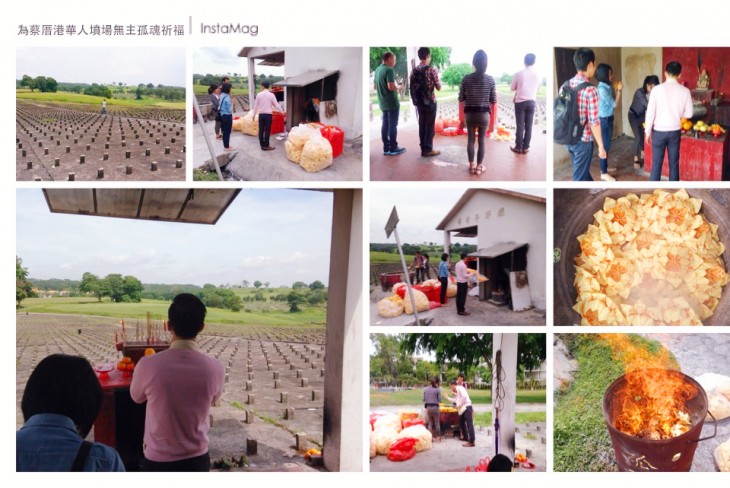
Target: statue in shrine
pixel 703 82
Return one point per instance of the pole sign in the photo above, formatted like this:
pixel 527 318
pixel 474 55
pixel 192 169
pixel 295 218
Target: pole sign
pixel 392 222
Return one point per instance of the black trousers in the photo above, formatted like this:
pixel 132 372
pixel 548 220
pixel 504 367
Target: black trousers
pixel 426 121
pixel 444 286
pixel 226 126
pixel 265 129
pixel 461 289
pixel 468 422
pixel 198 463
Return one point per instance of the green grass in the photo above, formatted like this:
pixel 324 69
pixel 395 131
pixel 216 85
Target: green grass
pixel 581 438
pixel 308 317
pixel 200 175
pixel 68 97
pixel 415 397
pixel 485 418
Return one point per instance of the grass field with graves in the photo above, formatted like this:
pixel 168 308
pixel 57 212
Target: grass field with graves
pixel 64 137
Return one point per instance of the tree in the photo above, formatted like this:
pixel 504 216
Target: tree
pixel 245 283
pixel 217 297
pixel 317 297
pixel 316 285
pixel 132 288
pixel 23 287
pixel 28 82
pixel 90 284
pixel 257 284
pixel 113 286
pixel 266 284
pixel 298 285
pixel 138 93
pixel 453 75
pixel 464 350
pixel 505 78
pixel 294 299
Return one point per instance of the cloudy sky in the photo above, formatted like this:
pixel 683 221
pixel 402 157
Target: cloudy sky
pixel 224 60
pixel 130 65
pixel 504 58
pixel 280 236
pixel 419 210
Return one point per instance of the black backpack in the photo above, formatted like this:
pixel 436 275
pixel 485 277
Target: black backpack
pixel 567 128
pixel 420 94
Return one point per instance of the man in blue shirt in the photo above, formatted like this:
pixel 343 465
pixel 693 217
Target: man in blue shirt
pixel 444 276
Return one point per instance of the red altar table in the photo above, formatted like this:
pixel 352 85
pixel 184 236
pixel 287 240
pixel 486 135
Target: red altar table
pixel 120 423
pixel 706 158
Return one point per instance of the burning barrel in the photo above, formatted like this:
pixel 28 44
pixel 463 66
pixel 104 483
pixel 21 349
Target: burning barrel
pixel 663 411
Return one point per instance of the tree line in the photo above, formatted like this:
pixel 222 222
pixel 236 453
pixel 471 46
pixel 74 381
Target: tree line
pixel 235 79
pixel 47 84
pixel 120 288
pixel 410 249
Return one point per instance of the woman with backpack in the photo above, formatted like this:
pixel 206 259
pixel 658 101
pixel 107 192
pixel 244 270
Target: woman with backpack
pixel 637 115
pixel 478 96
pixel 606 105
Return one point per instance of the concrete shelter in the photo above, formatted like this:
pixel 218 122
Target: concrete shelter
pixel 510 230
pixel 331 74
pixel 342 432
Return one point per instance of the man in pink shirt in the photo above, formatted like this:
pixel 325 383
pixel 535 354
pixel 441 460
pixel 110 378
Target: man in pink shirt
pixel 462 285
pixel 179 386
pixel 525 84
pixel 264 105
pixel 668 103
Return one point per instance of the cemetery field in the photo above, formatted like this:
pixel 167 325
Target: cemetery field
pixel 274 374
pixel 64 137
pixel 269 314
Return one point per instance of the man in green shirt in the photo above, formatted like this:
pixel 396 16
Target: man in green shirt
pixel 387 89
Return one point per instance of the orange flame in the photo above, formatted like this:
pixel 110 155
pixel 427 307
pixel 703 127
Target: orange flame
pixel 651 404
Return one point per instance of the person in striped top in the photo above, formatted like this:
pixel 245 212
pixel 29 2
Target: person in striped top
pixel 478 96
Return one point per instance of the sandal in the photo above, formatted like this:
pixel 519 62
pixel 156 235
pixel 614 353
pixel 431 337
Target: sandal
pixel 479 170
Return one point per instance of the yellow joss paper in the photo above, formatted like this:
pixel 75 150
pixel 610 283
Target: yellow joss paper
pixel 652 259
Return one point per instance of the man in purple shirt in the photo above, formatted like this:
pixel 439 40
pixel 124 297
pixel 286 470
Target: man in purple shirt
pixel 264 106
pixel 525 84
pixel 179 386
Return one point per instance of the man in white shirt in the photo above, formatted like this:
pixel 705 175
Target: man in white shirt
pixel 462 285
pixel 668 104
pixel 525 84
pixel 466 412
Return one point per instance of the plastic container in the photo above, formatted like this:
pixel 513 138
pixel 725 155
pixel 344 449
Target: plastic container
pixel 277 122
pixel 336 137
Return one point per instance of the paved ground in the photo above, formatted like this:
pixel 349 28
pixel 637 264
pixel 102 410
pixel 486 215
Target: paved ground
pixel 482 313
pixel 621 156
pixel 450 455
pixel 250 163
pixel 452 164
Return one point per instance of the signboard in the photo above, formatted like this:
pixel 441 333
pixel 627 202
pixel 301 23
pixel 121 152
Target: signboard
pixel 392 222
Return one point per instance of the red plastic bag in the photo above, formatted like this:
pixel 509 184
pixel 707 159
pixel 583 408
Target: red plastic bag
pixel 411 422
pixel 373 418
pixel 402 449
pixel 432 305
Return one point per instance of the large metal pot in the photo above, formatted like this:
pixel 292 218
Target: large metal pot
pixel 639 454
pixel 573 211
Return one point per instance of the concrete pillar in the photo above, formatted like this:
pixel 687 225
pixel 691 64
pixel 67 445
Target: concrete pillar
pixel 447 242
pixel 343 390
pixel 251 86
pixel 506 344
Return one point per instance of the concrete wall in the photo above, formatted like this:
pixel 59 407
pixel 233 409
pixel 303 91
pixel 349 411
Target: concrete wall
pixel 611 56
pixel 349 86
pixel 522 221
pixel 636 64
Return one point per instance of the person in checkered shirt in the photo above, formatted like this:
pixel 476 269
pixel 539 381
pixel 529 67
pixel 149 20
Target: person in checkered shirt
pixel 581 152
